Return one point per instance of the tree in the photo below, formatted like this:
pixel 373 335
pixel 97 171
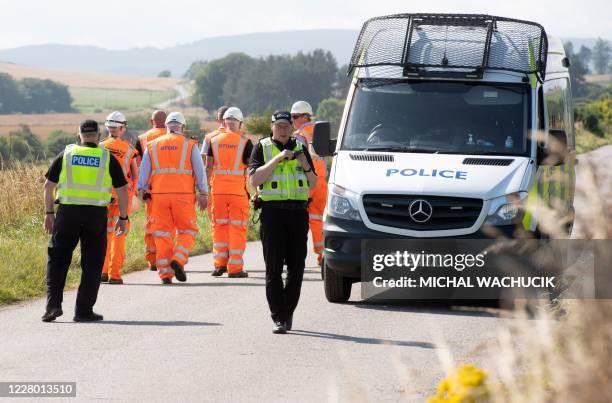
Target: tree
pixel 41 96
pixel 57 142
pixel 578 68
pixel 601 56
pixel 331 109
pixel 210 79
pixel 165 74
pixel 10 97
pixel 25 145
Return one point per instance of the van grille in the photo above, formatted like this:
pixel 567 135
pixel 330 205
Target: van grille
pixel 372 157
pixel 446 212
pixel 502 162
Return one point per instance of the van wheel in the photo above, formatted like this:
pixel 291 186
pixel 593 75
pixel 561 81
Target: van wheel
pixel 337 287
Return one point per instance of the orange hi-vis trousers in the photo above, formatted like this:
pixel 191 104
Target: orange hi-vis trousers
pixel 115 245
pixel 230 219
pixel 148 238
pixel 173 214
pixel 317 206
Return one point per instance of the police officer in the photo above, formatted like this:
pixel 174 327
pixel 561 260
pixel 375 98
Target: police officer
pixel 282 170
pixel 83 175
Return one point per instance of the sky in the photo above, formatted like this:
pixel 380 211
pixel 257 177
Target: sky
pixel 125 24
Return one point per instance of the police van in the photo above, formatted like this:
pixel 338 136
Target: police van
pixel 453 126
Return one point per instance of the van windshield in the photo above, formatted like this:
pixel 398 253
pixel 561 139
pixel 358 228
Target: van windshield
pixel 438 117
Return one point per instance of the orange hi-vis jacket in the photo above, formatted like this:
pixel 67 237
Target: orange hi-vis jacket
pixel 229 171
pixel 124 153
pixel 171 169
pixel 149 136
pixel 306 132
pixel 209 136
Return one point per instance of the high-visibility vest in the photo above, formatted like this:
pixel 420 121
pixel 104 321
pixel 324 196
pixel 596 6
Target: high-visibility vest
pixel 85 176
pixel 208 138
pixel 123 152
pixel 288 180
pixel 171 169
pixel 229 173
pixel 149 136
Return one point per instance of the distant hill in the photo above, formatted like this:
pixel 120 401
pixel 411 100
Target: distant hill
pixel 150 61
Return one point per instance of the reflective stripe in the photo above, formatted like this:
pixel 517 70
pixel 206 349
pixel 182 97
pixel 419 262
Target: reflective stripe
pixel 155 158
pixel 171 171
pixel 81 186
pixel 83 200
pixel 319 244
pixel 221 220
pixel 236 172
pixel 151 250
pixel 315 216
pixel 236 251
pixel 161 233
pixel 112 219
pixel 182 248
pixel 221 254
pixel 126 159
pixel 267 153
pixel 165 270
pixel 162 261
pixel 110 229
pixel 180 255
pixel 187 231
pixel 280 191
pixel 183 154
pixel 235 261
pixel 220 245
pixel 239 152
pixel 239 222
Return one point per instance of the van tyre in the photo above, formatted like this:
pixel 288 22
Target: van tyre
pixel 337 287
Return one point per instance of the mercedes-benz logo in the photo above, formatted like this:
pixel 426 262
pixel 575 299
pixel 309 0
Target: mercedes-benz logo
pixel 420 210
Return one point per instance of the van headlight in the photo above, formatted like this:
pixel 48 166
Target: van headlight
pixel 504 210
pixel 343 203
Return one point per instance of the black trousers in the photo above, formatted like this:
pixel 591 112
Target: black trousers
pixel 75 223
pixel 284 234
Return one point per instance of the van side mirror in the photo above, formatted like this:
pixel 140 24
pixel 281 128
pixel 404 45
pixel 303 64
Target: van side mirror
pixel 555 152
pixel 323 145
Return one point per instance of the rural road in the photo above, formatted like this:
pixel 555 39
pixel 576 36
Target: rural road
pixel 210 339
pixel 182 94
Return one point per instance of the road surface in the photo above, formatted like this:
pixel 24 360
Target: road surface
pixel 210 339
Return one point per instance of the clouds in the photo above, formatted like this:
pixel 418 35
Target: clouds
pixel 123 24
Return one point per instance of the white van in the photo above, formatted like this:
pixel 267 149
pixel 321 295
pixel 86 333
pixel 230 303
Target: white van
pixel 438 136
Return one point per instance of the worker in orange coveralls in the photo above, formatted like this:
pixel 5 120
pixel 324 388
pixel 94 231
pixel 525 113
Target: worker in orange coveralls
pixel 122 150
pixel 228 159
pixel 171 170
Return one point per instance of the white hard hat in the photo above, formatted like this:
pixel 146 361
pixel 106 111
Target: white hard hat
pixel 176 117
pixel 301 107
pixel 233 112
pixel 115 119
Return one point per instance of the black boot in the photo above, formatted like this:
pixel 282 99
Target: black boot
pixel 51 314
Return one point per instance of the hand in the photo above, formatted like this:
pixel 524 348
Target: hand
pixel 121 227
pixel 303 161
pixel 49 221
pixel 203 201
pixel 285 154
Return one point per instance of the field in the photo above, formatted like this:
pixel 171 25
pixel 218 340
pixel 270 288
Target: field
pixel 91 80
pixel 88 100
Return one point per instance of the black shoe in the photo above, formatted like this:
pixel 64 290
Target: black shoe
pixel 104 278
pixel 279 328
pixel 179 271
pixel 51 314
pixel 115 281
pixel 289 322
pixel 167 280
pixel 240 274
pixel 88 317
pixel 153 268
pixel 219 271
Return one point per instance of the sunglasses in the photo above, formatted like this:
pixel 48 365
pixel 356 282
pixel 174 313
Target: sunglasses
pixel 297 116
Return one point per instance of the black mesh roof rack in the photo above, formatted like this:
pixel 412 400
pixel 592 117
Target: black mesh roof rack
pixel 451 45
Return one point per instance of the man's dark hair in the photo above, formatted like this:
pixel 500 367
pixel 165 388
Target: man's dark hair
pixel 221 111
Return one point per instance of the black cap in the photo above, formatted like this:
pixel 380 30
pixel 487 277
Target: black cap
pixel 281 115
pixel 89 126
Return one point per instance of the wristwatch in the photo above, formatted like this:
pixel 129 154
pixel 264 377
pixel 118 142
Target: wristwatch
pixel 309 170
pixel 124 218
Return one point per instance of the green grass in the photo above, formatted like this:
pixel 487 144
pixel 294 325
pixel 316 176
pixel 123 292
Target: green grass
pixel 89 100
pixel 587 141
pixel 23 255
